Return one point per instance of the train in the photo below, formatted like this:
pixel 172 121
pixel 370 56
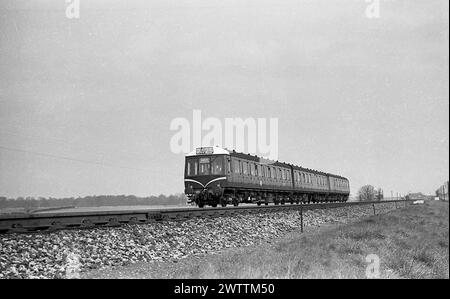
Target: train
pixel 217 176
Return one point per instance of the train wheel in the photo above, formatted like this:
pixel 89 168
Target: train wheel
pixel 201 205
pixel 258 203
pixel 235 203
pixel 224 204
pixel 266 203
pixel 214 205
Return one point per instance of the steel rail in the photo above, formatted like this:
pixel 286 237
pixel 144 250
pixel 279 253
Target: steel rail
pixel 52 221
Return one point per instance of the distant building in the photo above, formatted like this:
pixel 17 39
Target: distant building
pixel 442 192
pixel 416 196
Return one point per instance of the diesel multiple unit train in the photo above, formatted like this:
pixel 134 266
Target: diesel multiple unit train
pixel 216 176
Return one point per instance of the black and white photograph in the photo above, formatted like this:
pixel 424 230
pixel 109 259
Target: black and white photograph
pixel 220 147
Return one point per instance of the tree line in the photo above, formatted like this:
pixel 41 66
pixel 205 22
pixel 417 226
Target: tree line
pixel 91 201
pixel 370 193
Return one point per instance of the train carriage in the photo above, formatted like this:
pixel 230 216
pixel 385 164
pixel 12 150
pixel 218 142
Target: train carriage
pixel 216 176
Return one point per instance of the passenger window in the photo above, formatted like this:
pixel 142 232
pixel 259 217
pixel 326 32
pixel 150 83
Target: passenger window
pixel 196 168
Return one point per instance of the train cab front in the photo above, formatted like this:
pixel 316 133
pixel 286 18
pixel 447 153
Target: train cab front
pixel 205 175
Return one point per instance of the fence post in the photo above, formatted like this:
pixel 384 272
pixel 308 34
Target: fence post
pixel 373 205
pixel 301 219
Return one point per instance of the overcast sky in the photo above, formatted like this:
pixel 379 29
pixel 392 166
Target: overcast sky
pixel 86 104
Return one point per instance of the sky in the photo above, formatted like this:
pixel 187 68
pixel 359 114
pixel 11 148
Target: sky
pixel 86 103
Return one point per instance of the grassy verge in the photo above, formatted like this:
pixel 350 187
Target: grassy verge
pixel 411 243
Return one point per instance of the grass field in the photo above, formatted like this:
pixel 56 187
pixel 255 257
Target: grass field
pixel 410 242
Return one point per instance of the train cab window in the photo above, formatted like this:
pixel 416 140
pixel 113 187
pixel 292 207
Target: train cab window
pixel 259 170
pixel 188 168
pixel 217 165
pixel 191 168
pixel 229 165
pixel 205 166
pixel 249 170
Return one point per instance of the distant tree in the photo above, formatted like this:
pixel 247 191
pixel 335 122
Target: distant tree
pixel 379 194
pixel 367 193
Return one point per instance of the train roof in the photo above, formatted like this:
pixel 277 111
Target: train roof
pixel 215 150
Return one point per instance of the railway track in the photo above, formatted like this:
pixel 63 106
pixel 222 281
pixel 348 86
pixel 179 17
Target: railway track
pixel 53 221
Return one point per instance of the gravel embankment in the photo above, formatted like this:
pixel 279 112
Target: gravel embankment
pixel 66 253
